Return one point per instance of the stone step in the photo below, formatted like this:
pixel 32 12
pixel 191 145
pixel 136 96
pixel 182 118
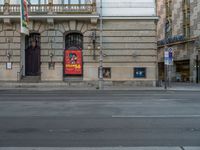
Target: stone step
pixel 30 79
pixel 78 79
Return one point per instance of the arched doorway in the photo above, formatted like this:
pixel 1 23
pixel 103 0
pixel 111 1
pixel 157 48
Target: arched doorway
pixel 32 54
pixel 73 64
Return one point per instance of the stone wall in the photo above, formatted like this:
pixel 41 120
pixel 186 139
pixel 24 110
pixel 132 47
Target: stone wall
pixel 184 51
pixel 126 44
pixel 195 19
pixel 161 12
pixel 9 45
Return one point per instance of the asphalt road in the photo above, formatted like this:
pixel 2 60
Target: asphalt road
pixel 99 118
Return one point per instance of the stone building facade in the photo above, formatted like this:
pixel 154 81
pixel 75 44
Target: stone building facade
pixel 179 28
pixel 129 43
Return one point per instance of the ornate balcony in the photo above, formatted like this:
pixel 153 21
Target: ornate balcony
pixel 53 9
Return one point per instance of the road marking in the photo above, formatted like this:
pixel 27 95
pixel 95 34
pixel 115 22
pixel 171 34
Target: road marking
pixel 90 148
pixel 157 116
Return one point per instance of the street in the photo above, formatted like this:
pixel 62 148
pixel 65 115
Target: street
pixel 94 118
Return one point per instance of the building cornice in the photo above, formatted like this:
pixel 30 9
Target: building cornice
pixel 52 17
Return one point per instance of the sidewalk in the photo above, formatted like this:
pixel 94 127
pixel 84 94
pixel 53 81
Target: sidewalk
pixel 88 86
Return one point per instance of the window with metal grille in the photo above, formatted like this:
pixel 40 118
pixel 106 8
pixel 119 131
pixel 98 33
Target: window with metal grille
pixel 75 1
pixel 74 41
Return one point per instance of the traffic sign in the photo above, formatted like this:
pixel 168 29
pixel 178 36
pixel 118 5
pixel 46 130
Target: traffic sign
pixel 170 50
pixel 168 56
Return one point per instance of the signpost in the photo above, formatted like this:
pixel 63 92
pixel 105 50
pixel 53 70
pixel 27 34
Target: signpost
pixel 168 57
pixel 166 62
pixel 24 17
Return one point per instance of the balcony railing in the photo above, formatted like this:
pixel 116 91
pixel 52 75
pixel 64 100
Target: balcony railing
pixel 53 9
pixel 1 9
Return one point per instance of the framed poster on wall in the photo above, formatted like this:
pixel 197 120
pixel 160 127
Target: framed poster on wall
pixel 8 65
pixel 73 64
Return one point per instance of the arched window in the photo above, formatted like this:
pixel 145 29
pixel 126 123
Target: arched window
pixel 74 41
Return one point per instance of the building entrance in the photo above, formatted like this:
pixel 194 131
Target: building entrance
pixel 73 62
pixel 32 55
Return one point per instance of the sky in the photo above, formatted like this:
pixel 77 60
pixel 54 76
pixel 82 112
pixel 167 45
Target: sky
pixel 128 7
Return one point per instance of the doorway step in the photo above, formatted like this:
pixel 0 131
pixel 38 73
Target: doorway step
pixel 78 79
pixel 31 79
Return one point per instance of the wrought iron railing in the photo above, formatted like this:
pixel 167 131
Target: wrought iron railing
pixel 53 9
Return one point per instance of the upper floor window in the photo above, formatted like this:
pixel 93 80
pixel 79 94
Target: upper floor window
pixel 38 1
pixel 14 1
pixel 31 1
pixel 168 25
pixel 74 40
pixel 186 18
pixel 74 1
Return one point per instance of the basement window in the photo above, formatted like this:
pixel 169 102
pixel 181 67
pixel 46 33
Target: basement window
pixel 139 72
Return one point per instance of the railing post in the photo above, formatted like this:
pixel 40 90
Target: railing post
pixel 50 3
pixel 94 6
pixel 6 7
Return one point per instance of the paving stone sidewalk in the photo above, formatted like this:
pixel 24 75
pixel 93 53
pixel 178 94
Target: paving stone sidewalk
pixel 80 86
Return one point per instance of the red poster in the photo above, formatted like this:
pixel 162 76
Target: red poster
pixel 73 62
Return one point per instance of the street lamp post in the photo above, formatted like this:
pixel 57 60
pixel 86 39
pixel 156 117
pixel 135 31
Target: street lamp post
pixel 101 50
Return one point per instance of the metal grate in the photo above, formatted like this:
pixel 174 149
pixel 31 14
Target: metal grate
pixel 74 40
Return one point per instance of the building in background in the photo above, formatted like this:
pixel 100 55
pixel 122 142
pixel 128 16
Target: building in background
pixel 63 44
pixel 181 19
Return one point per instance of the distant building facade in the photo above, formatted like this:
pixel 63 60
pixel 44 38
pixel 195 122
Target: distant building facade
pixel 179 28
pixel 63 44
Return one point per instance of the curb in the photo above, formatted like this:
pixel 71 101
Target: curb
pixel 103 148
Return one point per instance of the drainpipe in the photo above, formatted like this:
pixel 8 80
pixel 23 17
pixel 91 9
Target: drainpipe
pixel 101 50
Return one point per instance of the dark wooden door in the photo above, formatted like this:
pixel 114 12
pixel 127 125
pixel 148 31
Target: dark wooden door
pixel 32 55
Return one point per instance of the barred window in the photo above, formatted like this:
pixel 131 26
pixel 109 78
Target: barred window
pixel 74 1
pixel 73 41
pixel 38 1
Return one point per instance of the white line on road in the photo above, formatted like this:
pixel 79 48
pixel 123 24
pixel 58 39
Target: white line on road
pixel 97 148
pixel 156 116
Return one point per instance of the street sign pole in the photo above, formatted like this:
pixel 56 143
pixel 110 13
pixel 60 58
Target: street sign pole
pixel 170 51
pixel 166 61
